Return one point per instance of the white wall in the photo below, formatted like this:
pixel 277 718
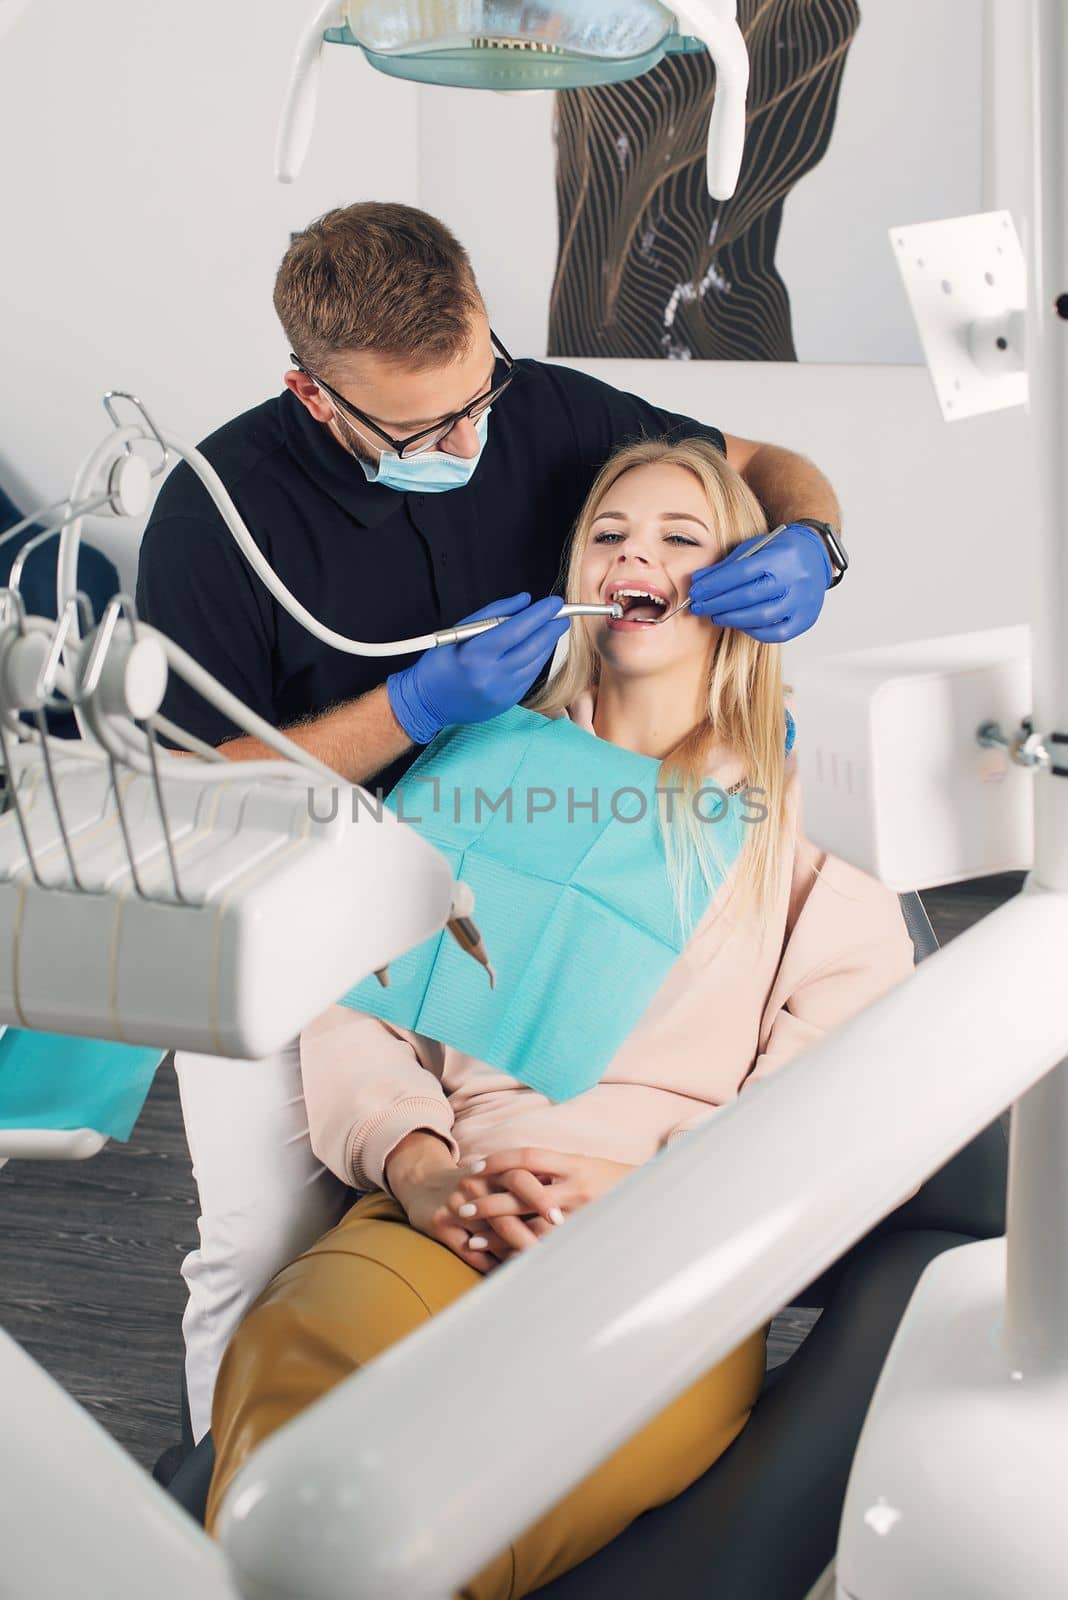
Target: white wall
pixel 144 228
pixel 907 147
pixel 142 224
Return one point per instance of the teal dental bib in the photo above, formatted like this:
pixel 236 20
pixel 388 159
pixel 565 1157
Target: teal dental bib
pixel 58 1081
pixel 574 906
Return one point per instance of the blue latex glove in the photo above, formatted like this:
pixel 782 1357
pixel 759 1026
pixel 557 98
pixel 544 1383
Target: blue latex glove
pixel 480 677
pixel 775 595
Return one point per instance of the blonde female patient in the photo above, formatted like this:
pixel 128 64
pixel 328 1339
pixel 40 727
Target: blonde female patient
pixel 466 1166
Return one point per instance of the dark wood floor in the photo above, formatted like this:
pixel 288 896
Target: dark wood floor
pixel 89 1251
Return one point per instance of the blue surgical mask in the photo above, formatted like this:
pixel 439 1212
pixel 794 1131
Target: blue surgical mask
pixel 431 472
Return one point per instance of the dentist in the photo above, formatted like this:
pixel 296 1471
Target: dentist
pixel 410 475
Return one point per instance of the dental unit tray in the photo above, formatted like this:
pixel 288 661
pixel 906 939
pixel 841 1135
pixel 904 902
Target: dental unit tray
pixel 190 902
pixel 282 911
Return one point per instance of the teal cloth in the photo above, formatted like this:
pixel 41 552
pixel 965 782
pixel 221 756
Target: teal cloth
pixel 577 914
pixel 57 1081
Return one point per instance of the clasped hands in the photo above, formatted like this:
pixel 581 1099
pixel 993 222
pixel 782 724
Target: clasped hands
pixel 488 1210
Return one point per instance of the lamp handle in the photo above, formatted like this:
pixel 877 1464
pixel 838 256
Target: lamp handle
pixel 715 23
pixel 298 110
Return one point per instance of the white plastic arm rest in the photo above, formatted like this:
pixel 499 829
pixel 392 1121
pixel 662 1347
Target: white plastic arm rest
pixel 122 1535
pixel 50 1144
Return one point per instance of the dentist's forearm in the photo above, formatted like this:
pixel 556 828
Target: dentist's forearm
pixel 788 485
pixel 356 739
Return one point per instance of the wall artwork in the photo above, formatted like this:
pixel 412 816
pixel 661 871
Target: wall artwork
pixel 649 264
pixel 600 239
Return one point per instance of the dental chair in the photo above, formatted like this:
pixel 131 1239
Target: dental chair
pixel 762 1523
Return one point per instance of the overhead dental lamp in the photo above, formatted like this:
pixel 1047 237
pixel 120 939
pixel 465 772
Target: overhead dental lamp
pixel 509 44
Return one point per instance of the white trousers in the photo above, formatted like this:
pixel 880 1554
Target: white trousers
pixel 263 1198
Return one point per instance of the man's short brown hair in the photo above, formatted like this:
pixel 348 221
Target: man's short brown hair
pixel 380 277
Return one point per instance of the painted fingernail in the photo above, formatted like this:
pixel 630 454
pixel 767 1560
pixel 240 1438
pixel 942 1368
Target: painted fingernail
pixel 555 1214
pixel 476 1242
pixel 476 1166
pixel 469 1210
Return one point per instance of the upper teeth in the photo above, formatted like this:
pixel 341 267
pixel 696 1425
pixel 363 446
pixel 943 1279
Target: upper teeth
pixel 642 594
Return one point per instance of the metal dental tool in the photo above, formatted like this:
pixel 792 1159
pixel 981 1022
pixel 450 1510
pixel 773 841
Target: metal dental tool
pixel 768 537
pixel 468 630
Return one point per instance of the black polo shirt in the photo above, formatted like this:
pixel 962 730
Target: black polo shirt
pixel 366 560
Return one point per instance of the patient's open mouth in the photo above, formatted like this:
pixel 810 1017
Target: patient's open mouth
pixel 640 606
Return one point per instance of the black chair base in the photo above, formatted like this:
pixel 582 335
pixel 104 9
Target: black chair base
pixel 191 1482
pixel 168 1464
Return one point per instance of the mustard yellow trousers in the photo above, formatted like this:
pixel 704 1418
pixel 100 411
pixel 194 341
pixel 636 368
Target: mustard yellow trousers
pixel 373 1279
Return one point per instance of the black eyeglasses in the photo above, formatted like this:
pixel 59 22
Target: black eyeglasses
pixel 427 438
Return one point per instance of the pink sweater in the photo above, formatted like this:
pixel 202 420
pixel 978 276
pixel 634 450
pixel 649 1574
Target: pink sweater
pixel 720 1020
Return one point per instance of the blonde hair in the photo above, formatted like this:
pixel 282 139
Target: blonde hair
pixel 746 711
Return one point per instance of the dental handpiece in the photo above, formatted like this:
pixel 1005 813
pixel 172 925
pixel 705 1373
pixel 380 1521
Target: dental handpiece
pixel 468 630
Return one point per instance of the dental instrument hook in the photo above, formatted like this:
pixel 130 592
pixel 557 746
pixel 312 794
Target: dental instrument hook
pixel 43 692
pixel 139 405
pixel 11 598
pixel 89 683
